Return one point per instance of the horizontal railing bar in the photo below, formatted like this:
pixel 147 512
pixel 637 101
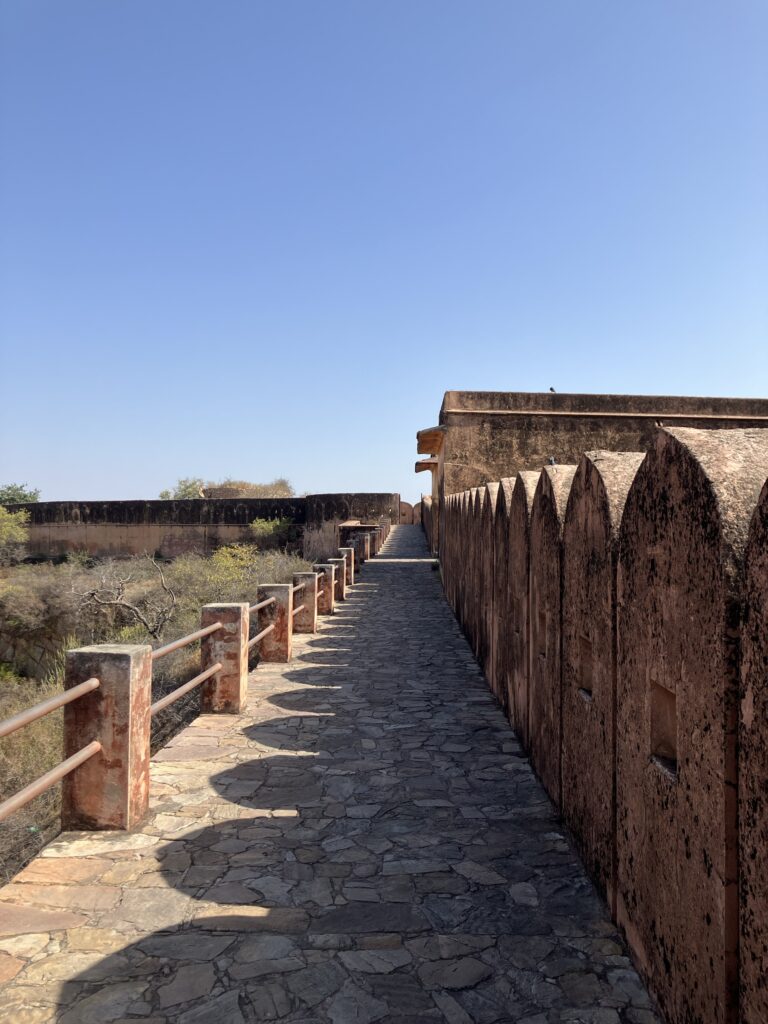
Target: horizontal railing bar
pixel 298 587
pixel 45 707
pixel 260 636
pixel 300 608
pixel 161 652
pixel 321 592
pixel 174 695
pixel 39 786
pixel 261 604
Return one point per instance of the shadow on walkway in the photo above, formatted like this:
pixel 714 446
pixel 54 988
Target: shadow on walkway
pixel 381 851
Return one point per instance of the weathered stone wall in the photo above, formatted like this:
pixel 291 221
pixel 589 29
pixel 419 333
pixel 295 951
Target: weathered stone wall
pixel 590 556
pixel 609 610
pixel 121 528
pixel 753 774
pixel 497 674
pixel 321 508
pixel 488 435
pixel 518 583
pixel 544 698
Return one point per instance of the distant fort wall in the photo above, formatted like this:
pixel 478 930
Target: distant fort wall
pixel 170 528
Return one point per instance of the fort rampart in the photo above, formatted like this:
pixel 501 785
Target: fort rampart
pixel 619 607
pixel 170 528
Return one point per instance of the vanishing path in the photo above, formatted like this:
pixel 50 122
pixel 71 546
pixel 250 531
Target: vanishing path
pixel 367 844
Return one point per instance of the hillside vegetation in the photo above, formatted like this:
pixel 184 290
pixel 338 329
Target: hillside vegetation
pixel 46 609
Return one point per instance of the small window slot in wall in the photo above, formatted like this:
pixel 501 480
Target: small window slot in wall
pixel 664 728
pixel 585 668
pixel 543 630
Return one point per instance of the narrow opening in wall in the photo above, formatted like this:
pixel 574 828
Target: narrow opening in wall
pixel 664 728
pixel 542 637
pixel 585 672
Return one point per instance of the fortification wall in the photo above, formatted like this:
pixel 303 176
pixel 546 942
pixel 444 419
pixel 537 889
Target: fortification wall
pixel 487 435
pixel 170 528
pixel 625 603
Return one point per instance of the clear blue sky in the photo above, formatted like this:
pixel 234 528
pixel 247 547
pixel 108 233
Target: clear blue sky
pixel 245 238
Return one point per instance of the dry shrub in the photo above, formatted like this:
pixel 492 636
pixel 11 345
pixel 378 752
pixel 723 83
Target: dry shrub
pixel 42 614
pixel 321 542
pixel 24 756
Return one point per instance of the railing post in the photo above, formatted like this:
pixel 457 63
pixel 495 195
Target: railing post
pixel 305 621
pixel 340 590
pixel 276 646
pixel 111 789
pixel 349 554
pixel 357 544
pixel 327 583
pixel 227 691
pixel 367 550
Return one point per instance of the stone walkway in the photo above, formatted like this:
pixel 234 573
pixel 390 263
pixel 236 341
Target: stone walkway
pixel 367 844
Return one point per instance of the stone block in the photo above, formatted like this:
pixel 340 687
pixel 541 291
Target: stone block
pixel 277 644
pixel 518 672
pixel 487 607
pixel 500 637
pixel 349 554
pixel 544 695
pixel 590 555
pixel 326 597
pixel 680 578
pixel 227 691
pixel 111 789
pixel 305 621
pixel 340 565
pixel 753 774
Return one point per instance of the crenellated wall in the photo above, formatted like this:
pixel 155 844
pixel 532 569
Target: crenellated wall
pixel 619 608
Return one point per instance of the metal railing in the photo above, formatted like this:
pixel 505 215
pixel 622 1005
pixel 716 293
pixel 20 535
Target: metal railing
pixel 45 707
pixel 125 688
pixel 50 778
pixel 175 645
pixel 174 695
pixel 260 636
pixel 47 781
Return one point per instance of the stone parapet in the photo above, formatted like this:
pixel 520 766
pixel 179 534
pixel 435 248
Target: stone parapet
pixel 625 611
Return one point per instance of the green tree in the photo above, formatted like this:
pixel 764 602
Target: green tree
pixel 187 487
pixel 15 494
pixel 195 487
pixel 273 533
pixel 14 530
pixel 279 488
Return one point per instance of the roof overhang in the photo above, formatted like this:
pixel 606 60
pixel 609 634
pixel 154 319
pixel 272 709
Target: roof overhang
pixel 430 441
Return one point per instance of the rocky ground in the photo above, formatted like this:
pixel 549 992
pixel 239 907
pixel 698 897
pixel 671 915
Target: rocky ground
pixel 367 843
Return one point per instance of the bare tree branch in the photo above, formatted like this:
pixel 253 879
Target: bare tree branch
pixel 111 594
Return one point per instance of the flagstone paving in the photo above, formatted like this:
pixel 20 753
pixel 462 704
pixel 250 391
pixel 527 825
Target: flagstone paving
pixel 367 843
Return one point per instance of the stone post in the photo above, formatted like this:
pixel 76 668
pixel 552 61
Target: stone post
pixel 111 789
pixel 349 554
pixel 276 645
pixel 341 577
pixel 305 621
pixel 227 691
pixel 358 545
pixel 326 600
